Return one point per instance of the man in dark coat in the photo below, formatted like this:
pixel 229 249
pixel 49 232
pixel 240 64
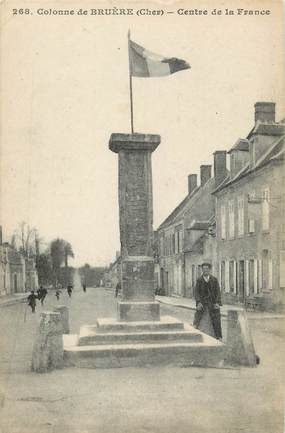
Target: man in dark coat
pixel 118 289
pixel 208 302
pixel 32 301
pixel 43 294
pixel 69 290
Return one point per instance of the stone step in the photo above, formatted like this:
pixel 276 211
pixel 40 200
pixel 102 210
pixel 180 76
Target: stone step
pixel 209 353
pixel 90 337
pixel 111 325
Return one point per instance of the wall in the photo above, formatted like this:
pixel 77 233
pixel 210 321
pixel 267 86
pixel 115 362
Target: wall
pixel 250 246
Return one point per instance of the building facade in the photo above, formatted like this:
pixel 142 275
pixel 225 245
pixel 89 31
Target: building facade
pixel 186 236
pixel 234 220
pixel 250 216
pixel 17 273
pixel 13 271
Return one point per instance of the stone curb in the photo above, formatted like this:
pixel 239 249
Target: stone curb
pixel 8 302
pixel 225 313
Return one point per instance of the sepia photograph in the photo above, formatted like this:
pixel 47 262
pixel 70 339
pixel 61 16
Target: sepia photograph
pixel 142 216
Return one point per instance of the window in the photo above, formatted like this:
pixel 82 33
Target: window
pixel 240 216
pixel 265 209
pixel 252 209
pixel 176 243
pixel 223 276
pixel 232 276
pixel 231 219
pixel 282 269
pixel 167 245
pixel 227 276
pixel 180 238
pixel 266 270
pixel 223 222
pixel 251 276
pixel 251 225
pixel 193 277
pixel 161 250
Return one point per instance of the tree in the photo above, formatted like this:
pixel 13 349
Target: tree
pixel 68 252
pixel 26 236
pixel 44 268
pixel 57 256
pixel 60 250
pixel 91 276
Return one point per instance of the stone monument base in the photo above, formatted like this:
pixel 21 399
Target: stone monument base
pixel 138 311
pixel 112 343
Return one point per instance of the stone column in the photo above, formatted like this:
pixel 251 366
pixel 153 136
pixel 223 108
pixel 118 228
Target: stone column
pixel 136 231
pixel 239 346
pixel 63 310
pixel 48 345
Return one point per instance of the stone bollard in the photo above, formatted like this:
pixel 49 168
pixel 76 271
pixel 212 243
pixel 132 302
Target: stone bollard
pixel 239 345
pixel 48 346
pixel 63 310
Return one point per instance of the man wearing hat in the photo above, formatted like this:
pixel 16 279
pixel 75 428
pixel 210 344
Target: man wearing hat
pixel 208 301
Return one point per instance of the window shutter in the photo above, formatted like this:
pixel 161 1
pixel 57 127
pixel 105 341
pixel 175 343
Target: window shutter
pixel 227 276
pixel 265 209
pixel 255 276
pixel 260 274
pixel 282 269
pixel 235 276
pixel 251 225
pixel 246 277
pixel 270 273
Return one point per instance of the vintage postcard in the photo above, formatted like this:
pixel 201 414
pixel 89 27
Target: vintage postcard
pixel 142 235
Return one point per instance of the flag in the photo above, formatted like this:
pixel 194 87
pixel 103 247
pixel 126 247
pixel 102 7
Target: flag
pixel 144 63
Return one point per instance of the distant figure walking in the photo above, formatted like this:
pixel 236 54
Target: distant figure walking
pixel 118 289
pixel 32 301
pixel 69 290
pixel 84 287
pixel 43 294
pixel 208 301
pixel 57 294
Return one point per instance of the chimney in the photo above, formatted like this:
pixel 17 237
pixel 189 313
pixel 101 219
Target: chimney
pixel 220 166
pixel 192 183
pixel 205 173
pixel 264 111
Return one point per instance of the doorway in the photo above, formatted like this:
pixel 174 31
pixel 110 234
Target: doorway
pixel 241 282
pixel 15 283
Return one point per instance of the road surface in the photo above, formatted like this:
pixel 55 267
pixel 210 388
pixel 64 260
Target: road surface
pixel 129 400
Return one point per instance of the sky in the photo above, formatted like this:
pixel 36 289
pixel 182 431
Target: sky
pixel 65 89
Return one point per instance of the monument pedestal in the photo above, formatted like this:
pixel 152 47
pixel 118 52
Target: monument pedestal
pixel 138 311
pixel 168 342
pixel 139 337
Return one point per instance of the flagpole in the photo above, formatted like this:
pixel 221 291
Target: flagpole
pixel 131 83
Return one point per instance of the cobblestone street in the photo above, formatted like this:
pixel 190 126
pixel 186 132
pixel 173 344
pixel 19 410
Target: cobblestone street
pixel 153 400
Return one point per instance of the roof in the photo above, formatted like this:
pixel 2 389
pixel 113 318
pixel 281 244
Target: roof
pixel 182 205
pixel 199 225
pixel 267 128
pixel 274 153
pixel 189 203
pixel 241 144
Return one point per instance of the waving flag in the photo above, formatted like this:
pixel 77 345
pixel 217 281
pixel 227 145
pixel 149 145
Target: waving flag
pixel 144 63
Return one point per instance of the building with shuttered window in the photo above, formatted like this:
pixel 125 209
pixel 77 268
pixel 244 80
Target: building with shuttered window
pixel 250 241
